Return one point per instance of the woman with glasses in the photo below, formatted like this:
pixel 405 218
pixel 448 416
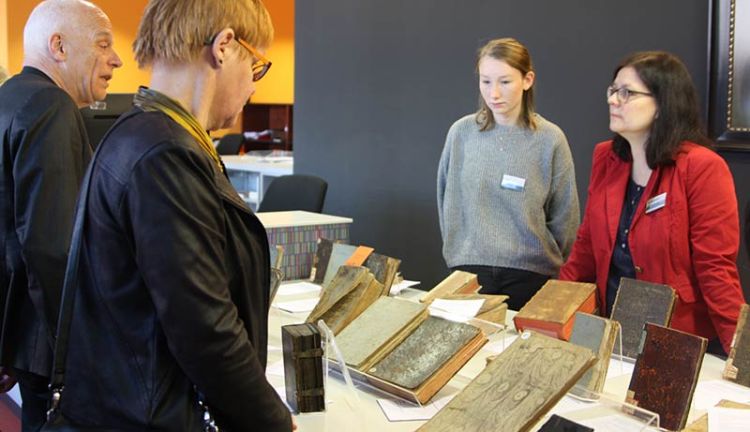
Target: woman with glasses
pixel 506 192
pixel 171 311
pixel 661 204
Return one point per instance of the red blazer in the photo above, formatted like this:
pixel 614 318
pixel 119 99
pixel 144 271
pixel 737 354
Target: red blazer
pixel 690 244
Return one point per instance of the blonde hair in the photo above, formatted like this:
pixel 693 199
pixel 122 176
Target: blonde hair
pixel 517 56
pixel 176 31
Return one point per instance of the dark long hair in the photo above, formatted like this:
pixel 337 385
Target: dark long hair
pixel 678 116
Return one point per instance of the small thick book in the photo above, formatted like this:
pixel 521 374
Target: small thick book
pixel 666 373
pixel 737 368
pixel 561 424
pixel 637 303
pixel 384 268
pixel 458 282
pixel 348 294
pixel 552 309
pixel 429 357
pixel 597 334
pixel 303 367
pixel 376 331
pixel 517 389
pixel 320 260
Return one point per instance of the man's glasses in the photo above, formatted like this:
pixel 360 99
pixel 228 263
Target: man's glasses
pixel 262 64
pixel 623 93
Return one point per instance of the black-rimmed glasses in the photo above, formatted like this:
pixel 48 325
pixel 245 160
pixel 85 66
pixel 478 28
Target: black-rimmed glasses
pixel 624 93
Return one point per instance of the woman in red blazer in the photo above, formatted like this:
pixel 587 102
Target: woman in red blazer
pixel 661 205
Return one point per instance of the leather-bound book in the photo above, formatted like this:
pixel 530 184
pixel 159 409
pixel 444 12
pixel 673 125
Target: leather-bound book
pixel 638 302
pixel 458 282
pixel 384 268
pixel 666 373
pixel 737 368
pixel 494 308
pixel 597 334
pixel 701 424
pixel 353 304
pixel 346 280
pixel 430 356
pixel 517 389
pixel 320 260
pixel 340 253
pixel 303 367
pixel 552 309
pixel 377 330
pixel 561 424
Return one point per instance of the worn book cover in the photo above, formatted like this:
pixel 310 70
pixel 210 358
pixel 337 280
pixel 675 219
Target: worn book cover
pixel 494 308
pixel 303 367
pixel 359 256
pixel 552 309
pixel 458 282
pixel 340 253
pixel 638 302
pixel 516 389
pixel 666 373
pixel 701 425
pixel 737 368
pixel 561 424
pixel 320 260
pixel 347 278
pixel 421 361
pixel 352 304
pixel 597 334
pixel 384 268
pixel 376 331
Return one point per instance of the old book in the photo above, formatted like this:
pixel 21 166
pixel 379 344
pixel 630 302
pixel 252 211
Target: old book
pixel 638 302
pixel 320 260
pixel 376 331
pixel 359 256
pixel 458 282
pixel 701 424
pixel 347 278
pixel 303 367
pixel 384 268
pixel 561 424
pixel 552 309
pixel 430 356
pixel 340 253
pixel 597 334
pixel 516 389
pixel 737 368
pixel 351 305
pixel 494 308
pixel 666 373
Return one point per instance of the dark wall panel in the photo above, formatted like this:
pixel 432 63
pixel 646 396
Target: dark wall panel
pixel 379 82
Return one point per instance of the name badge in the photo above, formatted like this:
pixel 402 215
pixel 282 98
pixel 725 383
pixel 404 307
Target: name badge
pixel 656 203
pixel 513 182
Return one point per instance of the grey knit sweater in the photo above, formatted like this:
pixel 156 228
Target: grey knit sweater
pixel 484 223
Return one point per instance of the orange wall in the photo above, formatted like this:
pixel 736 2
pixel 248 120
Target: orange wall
pixel 276 87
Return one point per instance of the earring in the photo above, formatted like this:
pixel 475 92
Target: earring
pixel 221 61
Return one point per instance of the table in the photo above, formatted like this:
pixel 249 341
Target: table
pixel 360 411
pixel 251 175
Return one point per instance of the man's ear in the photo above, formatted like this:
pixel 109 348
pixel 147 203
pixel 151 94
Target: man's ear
pixel 57 48
pixel 220 46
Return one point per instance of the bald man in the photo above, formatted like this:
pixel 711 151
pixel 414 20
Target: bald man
pixel 68 62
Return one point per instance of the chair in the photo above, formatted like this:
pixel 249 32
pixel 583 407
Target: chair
pixel 295 192
pixel 230 144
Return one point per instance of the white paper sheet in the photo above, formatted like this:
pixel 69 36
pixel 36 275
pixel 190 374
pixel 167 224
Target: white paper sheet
pixel 395 410
pixel 397 288
pixel 728 419
pixel 461 308
pixel 568 404
pixel 709 393
pixel 298 306
pixel 500 345
pixel 295 288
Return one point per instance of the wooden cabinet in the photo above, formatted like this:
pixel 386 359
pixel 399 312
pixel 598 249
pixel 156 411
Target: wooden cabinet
pixel 275 118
